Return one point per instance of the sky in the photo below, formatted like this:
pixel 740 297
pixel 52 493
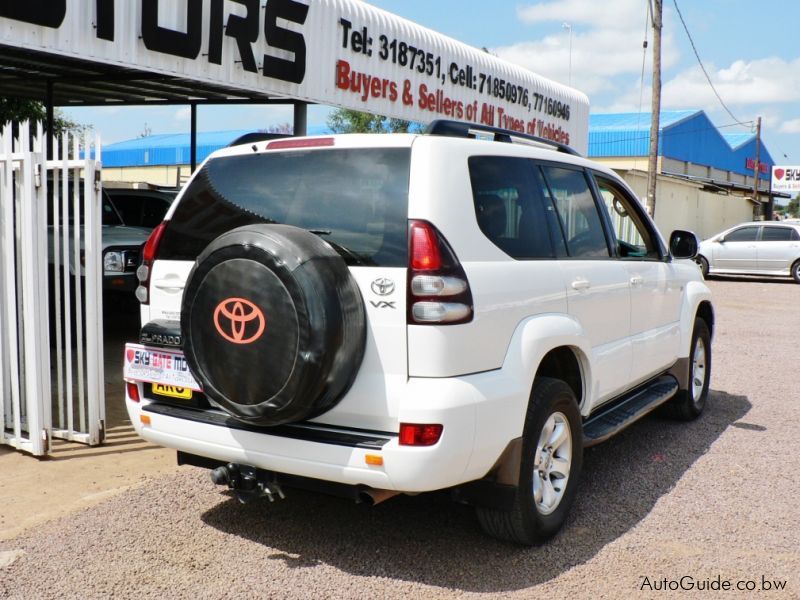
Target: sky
pixel 749 50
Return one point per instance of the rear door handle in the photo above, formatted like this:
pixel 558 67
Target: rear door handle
pixel 168 284
pixel 581 284
pixel 637 280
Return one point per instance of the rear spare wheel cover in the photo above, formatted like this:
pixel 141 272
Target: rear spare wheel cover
pixel 273 323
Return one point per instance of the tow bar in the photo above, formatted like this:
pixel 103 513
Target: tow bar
pixel 244 482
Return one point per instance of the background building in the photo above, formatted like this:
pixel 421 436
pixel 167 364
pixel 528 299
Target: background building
pixel 705 177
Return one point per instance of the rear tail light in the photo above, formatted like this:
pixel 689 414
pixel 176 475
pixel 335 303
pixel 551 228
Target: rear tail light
pixel 133 392
pixel 438 289
pixel 148 256
pixel 300 143
pixel 415 434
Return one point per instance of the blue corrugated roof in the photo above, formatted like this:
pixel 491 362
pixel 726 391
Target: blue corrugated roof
pixel 737 139
pixel 686 135
pixel 173 148
pixel 628 134
pixel 636 121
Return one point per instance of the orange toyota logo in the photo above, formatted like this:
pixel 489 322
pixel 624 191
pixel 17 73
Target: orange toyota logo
pixel 233 318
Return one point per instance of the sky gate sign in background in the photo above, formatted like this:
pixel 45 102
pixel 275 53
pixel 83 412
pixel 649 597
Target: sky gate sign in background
pixel 337 52
pixel 786 179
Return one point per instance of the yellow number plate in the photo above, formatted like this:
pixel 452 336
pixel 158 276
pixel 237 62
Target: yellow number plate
pixel 172 391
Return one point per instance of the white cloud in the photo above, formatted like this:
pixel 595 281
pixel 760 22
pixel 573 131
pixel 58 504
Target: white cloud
pixel 743 83
pixel 791 126
pixel 183 114
pixel 612 14
pixel 606 43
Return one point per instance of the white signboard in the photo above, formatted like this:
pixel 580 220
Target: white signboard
pixel 338 52
pixel 786 179
pixel 155 365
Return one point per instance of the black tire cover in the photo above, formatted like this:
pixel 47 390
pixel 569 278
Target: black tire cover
pixel 273 323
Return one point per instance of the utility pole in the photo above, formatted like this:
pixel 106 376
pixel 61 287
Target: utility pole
pixel 757 172
pixel 655 110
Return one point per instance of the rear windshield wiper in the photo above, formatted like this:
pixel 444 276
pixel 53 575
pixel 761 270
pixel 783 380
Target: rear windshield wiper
pixel 345 252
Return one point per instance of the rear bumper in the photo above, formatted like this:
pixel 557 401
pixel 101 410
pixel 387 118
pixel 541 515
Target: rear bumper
pixel 464 453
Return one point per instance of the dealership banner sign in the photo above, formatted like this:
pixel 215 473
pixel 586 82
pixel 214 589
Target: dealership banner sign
pixel 337 52
pixel 786 179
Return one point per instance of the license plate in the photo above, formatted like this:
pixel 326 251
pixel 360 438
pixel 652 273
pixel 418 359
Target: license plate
pixel 167 368
pixel 172 391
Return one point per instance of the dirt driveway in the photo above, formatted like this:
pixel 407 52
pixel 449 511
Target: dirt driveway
pixel 706 504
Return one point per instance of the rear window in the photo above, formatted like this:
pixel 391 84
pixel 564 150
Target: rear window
pixel 356 199
pixel 778 234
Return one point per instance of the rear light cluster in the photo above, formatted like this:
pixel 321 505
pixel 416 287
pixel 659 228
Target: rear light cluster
pixel 145 270
pixel 438 290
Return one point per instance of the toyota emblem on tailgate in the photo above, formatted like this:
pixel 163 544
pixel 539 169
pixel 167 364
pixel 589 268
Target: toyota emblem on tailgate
pixel 234 317
pixel 383 286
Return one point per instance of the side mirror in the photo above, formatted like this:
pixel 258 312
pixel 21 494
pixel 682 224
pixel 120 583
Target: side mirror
pixel 721 239
pixel 683 244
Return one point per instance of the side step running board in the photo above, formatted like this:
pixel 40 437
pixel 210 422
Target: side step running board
pixel 629 409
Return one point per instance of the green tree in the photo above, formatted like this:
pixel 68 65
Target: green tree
pixel 345 120
pixel 793 207
pixel 17 110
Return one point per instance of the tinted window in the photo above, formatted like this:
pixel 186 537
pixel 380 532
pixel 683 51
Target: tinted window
pixel 778 234
pixel 580 221
pixel 634 240
pixel 109 214
pixel 509 207
pixel 141 210
pixel 356 199
pixel 743 234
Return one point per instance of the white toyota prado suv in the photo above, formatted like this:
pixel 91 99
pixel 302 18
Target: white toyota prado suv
pixel 372 315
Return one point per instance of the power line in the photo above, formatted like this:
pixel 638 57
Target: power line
pixel 700 62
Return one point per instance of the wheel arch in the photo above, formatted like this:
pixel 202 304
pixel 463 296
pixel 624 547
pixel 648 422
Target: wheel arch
pixel 552 345
pixel 565 363
pixel 705 311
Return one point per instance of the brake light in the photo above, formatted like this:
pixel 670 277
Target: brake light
pixel 149 254
pixel 425 255
pixel 415 434
pixel 438 289
pixel 133 392
pixel 300 143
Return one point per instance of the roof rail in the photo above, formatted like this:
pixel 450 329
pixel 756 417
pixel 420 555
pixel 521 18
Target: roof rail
pixel 469 130
pixel 257 136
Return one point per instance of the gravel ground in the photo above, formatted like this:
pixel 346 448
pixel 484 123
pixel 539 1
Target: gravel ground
pixel 716 498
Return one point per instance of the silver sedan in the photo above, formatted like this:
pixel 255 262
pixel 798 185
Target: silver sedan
pixel 754 249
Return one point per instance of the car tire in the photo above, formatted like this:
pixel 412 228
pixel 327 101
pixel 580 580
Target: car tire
pixel 545 492
pixel 688 404
pixel 796 271
pixel 703 264
pixel 274 325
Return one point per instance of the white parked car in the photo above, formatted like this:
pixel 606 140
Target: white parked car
pixel 368 315
pixel 758 248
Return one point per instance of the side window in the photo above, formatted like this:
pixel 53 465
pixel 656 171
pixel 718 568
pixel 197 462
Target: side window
pixel 778 234
pixel 743 234
pixel 580 222
pixel 634 240
pixel 509 207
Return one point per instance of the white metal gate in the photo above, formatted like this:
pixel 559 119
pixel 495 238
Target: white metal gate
pixel 51 346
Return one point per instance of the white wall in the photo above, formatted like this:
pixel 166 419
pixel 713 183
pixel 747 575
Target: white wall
pixel 685 205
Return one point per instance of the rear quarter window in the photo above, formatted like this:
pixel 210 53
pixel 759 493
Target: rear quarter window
pixel 356 199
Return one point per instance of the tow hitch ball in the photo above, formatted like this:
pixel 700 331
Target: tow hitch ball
pixel 243 481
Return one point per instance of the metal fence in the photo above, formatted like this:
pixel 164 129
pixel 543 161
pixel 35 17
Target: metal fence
pixel 51 345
